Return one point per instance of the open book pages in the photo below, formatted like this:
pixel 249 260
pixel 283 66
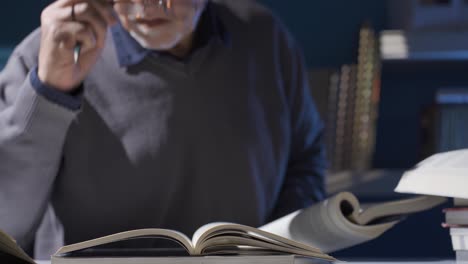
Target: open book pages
pixel 340 221
pixel 9 247
pixel 212 239
pixel 444 174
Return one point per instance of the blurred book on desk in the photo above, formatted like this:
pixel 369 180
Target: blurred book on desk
pixel 456 220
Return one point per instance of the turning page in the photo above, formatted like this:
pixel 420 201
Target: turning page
pixel 340 222
pixel 444 174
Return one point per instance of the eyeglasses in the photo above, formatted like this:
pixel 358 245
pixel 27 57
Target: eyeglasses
pixel 135 9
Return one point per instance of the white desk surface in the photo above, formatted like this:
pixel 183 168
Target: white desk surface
pixel 364 262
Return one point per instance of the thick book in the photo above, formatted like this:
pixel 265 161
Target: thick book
pixel 341 221
pixel 217 239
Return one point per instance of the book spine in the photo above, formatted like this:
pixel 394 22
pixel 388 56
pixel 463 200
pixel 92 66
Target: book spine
pixel 342 148
pixel 366 100
pixel 331 123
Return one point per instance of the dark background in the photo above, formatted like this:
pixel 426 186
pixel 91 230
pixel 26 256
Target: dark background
pixel 327 30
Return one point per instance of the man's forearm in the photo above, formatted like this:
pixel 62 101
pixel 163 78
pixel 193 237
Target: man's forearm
pixel 32 133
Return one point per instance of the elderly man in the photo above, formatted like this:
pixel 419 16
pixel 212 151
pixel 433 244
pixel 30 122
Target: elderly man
pixel 175 114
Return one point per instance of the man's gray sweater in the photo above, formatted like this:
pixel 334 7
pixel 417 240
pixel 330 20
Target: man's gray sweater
pixel 230 134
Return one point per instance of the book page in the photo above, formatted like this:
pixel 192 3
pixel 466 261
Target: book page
pixel 247 244
pixel 399 207
pixel 166 233
pixel 453 160
pixel 436 182
pixel 218 229
pixel 202 232
pixel 324 225
pixel 228 234
pixel 9 246
pixel 443 174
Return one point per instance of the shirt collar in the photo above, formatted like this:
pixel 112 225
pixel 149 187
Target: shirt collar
pixel 130 52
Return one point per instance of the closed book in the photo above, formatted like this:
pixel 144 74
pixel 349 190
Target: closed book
pixel 456 216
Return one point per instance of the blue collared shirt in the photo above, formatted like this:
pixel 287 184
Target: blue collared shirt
pixel 130 52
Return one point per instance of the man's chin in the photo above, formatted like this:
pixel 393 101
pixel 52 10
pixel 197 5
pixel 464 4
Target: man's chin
pixel 154 43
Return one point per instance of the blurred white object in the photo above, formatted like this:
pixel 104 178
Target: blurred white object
pixel 444 174
pixel 459 238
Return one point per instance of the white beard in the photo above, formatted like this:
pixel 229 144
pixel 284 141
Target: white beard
pixel 145 36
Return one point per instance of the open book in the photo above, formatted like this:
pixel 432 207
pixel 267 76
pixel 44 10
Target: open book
pixel 341 222
pixel 336 223
pixel 444 174
pixel 10 252
pixel 214 239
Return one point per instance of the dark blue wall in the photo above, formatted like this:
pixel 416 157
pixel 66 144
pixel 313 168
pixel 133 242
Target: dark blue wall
pixel 326 29
pixel 18 18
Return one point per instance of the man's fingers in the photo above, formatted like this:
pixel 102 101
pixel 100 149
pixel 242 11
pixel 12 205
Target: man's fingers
pixel 71 33
pixel 106 10
pixel 103 7
pixel 61 32
pixel 87 14
pixel 62 10
pixel 87 40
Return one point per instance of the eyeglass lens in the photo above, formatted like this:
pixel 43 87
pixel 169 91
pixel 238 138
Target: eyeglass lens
pixel 139 9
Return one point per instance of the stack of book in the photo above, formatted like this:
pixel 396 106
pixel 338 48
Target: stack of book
pixel 456 220
pixel 444 175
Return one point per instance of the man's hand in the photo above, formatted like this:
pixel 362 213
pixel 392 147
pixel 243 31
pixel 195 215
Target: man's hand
pixel 61 31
